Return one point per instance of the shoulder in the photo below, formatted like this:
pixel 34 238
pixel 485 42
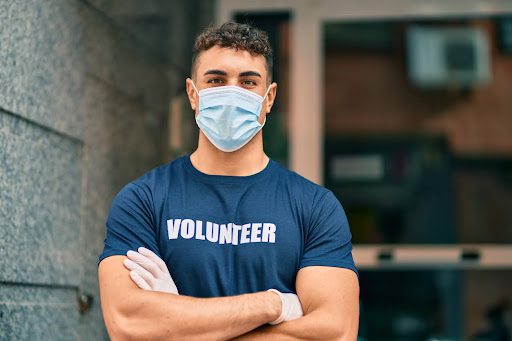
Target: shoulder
pixel 160 173
pixel 153 181
pixel 314 201
pixel 299 185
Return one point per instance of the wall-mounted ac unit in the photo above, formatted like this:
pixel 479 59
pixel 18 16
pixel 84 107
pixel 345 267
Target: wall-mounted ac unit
pixel 442 57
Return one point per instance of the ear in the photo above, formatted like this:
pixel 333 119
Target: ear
pixel 193 98
pixel 271 96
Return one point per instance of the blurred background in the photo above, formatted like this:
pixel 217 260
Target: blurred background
pixel 403 108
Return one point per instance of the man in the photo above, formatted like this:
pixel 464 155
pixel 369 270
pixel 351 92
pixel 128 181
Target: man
pixel 227 243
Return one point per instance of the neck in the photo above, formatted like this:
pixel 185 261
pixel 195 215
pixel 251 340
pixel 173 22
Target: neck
pixel 248 160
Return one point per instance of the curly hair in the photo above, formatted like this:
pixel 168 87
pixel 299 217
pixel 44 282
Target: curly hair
pixel 236 36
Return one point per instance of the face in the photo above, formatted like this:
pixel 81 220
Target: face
pixel 220 66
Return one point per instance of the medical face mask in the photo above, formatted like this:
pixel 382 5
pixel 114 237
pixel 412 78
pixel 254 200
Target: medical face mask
pixel 228 115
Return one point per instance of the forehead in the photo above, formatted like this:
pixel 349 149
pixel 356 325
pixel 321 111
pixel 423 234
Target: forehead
pixel 230 60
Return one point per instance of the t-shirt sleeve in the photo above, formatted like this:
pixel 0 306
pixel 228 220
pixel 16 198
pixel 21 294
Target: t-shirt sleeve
pixel 130 223
pixel 328 237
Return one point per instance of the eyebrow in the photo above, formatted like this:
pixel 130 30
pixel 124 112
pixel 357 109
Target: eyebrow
pixel 215 72
pixel 223 73
pixel 249 73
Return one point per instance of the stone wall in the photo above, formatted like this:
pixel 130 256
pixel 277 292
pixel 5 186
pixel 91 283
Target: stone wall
pixel 82 112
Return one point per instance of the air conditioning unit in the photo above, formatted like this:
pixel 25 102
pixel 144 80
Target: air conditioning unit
pixel 447 57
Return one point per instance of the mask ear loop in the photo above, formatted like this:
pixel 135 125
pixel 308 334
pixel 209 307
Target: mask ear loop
pixel 194 86
pixel 266 92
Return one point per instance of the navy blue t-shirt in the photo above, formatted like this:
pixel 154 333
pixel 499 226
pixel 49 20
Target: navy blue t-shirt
pixel 228 235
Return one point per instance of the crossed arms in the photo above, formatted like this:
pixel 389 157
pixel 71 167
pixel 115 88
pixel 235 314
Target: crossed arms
pixel 329 297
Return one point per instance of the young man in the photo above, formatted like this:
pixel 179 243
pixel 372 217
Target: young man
pixel 225 242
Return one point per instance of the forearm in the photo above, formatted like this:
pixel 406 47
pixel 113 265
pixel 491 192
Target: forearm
pixel 132 314
pixel 315 326
pixel 154 315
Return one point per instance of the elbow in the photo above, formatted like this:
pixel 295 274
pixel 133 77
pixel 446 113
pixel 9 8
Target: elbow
pixel 127 325
pixel 123 328
pixel 332 329
pixel 344 332
pixel 122 322
pixel 118 325
pixel 336 334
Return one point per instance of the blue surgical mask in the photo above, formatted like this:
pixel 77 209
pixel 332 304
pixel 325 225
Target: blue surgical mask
pixel 228 115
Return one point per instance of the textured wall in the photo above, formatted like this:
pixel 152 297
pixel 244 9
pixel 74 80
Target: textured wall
pixel 40 62
pixel 81 114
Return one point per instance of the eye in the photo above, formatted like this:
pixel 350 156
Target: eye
pixel 215 81
pixel 249 83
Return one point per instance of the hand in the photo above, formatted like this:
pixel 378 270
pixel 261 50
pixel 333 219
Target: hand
pixel 291 308
pixel 149 271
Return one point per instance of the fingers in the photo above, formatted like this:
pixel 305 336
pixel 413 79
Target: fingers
pixel 151 255
pixel 139 281
pixel 134 267
pixel 149 271
pixel 145 262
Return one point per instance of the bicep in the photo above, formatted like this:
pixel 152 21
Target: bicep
pixel 115 286
pixel 330 292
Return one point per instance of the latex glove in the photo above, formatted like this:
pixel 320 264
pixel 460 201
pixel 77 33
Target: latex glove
pixel 149 272
pixel 291 308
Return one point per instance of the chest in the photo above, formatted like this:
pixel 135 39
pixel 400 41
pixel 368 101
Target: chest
pixel 230 245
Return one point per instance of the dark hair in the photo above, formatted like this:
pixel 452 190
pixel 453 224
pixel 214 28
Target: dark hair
pixel 236 36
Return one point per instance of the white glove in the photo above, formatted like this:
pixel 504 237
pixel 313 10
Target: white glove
pixel 291 308
pixel 149 271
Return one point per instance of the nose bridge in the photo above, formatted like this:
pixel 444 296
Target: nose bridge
pixel 232 80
